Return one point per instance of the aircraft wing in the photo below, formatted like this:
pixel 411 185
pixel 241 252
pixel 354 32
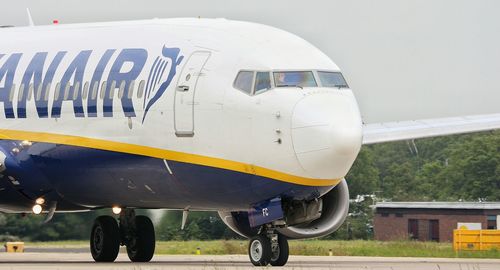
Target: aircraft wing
pixel 407 130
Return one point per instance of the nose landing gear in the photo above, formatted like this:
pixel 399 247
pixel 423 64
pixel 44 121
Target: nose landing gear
pixel 260 250
pixel 281 251
pixel 135 232
pixel 268 248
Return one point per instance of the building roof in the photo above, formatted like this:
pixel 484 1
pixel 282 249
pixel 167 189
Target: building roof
pixel 440 205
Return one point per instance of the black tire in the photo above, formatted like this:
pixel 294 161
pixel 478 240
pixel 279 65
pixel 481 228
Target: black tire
pixel 280 256
pixel 141 248
pixel 259 250
pixel 105 239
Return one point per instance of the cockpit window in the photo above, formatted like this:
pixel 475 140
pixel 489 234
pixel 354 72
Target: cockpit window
pixel 332 79
pixel 262 82
pixel 244 81
pixel 254 82
pixel 294 78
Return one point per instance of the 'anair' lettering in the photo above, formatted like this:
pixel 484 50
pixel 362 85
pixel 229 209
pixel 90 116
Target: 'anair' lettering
pixel 38 80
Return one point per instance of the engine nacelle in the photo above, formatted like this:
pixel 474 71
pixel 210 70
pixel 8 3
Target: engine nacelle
pixel 238 222
pixel 335 207
pixel 306 219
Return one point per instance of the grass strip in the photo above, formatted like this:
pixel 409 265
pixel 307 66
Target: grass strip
pixel 308 247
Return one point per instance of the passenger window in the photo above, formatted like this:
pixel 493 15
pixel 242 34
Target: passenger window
pixel 21 92
pixel 76 90
pixel 12 91
pixel 30 92
pixel 47 92
pixel 58 89
pixel 244 81
pixel 121 90
pixel 112 90
pixel 39 92
pixel 262 82
pixel 140 91
pixel 130 92
pixel 66 91
pixel 85 90
pixel 103 89
pixel 94 90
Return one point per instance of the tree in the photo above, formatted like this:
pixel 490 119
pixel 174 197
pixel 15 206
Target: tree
pixel 363 178
pixel 200 226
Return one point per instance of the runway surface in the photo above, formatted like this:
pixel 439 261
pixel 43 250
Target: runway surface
pixel 84 261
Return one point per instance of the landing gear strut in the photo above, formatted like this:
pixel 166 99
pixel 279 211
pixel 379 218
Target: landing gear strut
pixel 268 248
pixel 135 232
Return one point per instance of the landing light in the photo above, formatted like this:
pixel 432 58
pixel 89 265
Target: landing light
pixel 117 210
pixel 40 201
pixel 26 143
pixel 37 209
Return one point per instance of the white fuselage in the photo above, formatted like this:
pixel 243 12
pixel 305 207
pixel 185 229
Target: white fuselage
pixel 307 136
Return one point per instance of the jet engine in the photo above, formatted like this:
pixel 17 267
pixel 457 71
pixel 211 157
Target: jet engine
pixel 303 219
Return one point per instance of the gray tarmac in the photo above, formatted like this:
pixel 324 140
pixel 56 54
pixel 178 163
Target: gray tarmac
pixel 83 260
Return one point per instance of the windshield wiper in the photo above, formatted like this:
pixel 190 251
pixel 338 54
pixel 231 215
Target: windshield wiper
pixel 290 85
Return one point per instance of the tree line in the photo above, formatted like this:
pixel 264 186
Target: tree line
pixel 452 168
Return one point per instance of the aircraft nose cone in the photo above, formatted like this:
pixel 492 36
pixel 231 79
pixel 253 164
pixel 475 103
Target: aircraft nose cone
pixel 326 134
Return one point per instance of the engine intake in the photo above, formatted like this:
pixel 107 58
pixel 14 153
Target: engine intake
pixel 335 207
pixel 304 219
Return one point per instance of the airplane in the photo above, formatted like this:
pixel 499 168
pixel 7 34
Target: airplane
pixel 188 114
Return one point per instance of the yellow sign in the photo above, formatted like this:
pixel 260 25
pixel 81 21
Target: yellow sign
pixel 14 247
pixel 476 239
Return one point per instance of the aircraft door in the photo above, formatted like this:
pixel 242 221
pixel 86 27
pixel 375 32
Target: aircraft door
pixel 185 91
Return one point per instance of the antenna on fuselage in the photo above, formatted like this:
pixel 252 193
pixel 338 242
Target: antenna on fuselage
pixel 185 214
pixel 30 19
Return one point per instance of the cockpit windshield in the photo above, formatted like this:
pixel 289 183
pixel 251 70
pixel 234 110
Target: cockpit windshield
pixel 254 82
pixel 332 79
pixel 294 78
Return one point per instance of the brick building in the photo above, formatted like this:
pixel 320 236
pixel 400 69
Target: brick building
pixel 431 221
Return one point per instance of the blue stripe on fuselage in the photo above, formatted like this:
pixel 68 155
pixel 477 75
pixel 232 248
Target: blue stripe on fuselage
pixel 99 178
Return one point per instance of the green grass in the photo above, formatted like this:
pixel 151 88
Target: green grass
pixel 58 244
pixel 309 247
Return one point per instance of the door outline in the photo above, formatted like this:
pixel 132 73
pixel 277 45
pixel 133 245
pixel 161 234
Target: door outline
pixel 181 89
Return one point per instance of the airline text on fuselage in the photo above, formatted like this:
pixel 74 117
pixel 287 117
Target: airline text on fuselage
pixel 41 79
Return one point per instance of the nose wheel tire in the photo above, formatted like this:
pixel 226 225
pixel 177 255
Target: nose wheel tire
pixel 105 239
pixel 280 252
pixel 259 250
pixel 141 247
